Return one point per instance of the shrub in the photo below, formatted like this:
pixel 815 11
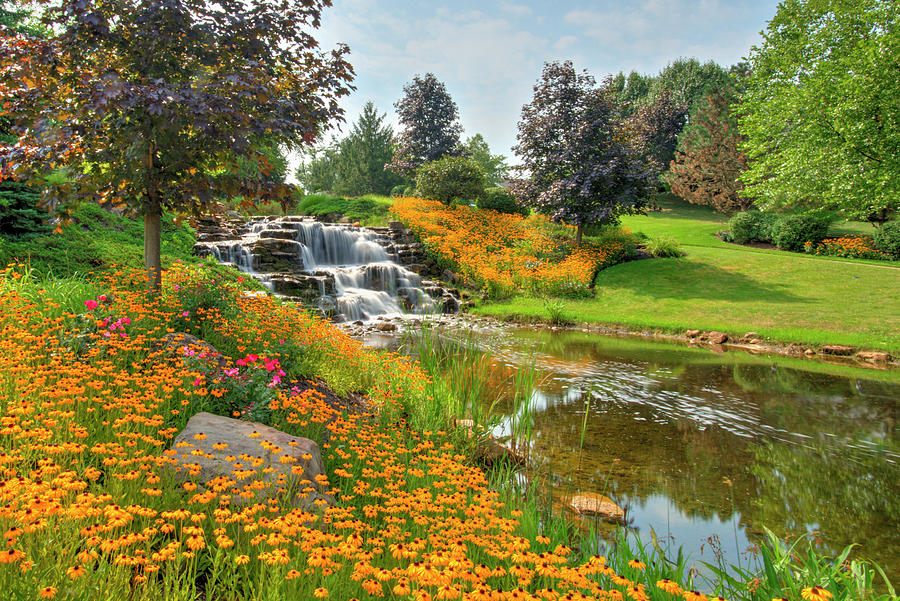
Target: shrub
pixel 450 179
pixel 751 226
pixel 663 247
pixel 887 238
pixel 498 199
pixel 793 231
pixel 398 190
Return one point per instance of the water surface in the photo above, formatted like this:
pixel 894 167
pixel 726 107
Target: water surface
pixel 705 450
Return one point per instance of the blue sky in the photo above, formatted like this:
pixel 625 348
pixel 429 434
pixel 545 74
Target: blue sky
pixel 490 53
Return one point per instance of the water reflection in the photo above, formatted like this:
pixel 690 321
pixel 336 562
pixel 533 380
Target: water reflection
pixel 696 445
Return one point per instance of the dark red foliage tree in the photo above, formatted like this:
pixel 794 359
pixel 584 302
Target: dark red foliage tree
pixel 656 127
pixel 709 159
pixel 160 104
pixel 430 122
pixel 579 165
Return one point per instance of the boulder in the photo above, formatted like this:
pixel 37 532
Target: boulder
pixel 717 337
pixel 839 350
pixel 490 452
pixel 874 356
pixel 750 335
pixel 692 333
pixel 386 326
pixel 249 461
pixel 596 505
pixel 449 304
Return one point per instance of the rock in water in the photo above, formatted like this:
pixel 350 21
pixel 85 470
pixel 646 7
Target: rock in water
pixel 595 504
pixel 253 453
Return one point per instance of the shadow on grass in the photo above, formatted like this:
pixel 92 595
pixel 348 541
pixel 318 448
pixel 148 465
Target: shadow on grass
pixel 684 279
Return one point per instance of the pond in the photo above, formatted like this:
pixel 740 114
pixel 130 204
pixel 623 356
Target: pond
pixel 704 450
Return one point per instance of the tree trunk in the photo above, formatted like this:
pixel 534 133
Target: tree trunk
pixel 152 259
pixel 578 233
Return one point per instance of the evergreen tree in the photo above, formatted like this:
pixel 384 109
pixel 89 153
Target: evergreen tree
pixel 363 154
pixel 709 160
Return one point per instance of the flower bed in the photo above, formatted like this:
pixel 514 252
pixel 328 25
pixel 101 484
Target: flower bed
pixel 89 508
pixel 504 253
pixel 856 246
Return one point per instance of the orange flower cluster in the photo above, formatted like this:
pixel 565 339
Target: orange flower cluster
pixel 505 252
pixel 858 246
pixel 88 502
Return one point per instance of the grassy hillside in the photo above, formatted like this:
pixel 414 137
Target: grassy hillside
pixel 716 285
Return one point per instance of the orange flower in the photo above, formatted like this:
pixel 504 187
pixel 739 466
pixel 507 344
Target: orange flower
pixel 47 592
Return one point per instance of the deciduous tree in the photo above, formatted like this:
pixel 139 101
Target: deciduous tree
pixel 494 165
pixel 578 163
pixel 154 103
pixel 430 121
pixel 820 111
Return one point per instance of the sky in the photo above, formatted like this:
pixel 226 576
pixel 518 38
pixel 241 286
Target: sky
pixel 490 53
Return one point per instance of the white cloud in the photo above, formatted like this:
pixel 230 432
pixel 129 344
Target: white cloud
pixel 517 10
pixel 565 42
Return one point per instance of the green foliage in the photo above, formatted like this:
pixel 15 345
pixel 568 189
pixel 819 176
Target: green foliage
pixel 663 247
pixel 450 179
pixel 20 214
pixel 398 190
pixel 494 165
pixel 887 238
pixel 820 109
pixel 430 121
pixel 793 231
pixel 498 199
pixel 94 241
pixel 751 226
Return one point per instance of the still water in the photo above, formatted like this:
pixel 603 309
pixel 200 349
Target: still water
pixel 704 450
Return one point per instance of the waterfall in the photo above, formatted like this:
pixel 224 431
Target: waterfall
pixel 351 273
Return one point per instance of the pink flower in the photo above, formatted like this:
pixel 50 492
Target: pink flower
pixel 90 304
pixel 102 298
pixel 185 313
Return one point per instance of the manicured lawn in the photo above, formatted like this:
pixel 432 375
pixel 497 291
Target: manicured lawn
pixel 784 296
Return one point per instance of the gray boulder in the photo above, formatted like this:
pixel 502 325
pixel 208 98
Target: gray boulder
pixel 250 461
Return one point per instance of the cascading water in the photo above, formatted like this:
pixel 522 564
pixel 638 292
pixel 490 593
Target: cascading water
pixel 347 268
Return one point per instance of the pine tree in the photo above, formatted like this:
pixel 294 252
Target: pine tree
pixel 363 154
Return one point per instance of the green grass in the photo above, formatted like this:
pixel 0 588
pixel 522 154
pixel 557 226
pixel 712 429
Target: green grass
pixel 370 209
pixel 784 296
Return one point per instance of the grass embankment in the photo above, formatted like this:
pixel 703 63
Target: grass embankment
pixel 787 297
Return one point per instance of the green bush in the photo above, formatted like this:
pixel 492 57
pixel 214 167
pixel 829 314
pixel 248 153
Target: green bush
pixel 793 231
pixel 498 199
pixel 751 226
pixel 887 238
pixel 450 179
pixel 663 247
pixel 399 190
